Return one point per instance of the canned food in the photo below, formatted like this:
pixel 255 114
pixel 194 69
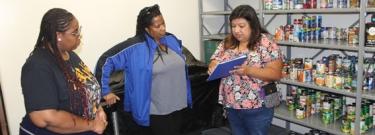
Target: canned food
pixel 319 21
pixel 267 4
pixel 352 128
pixel 345 127
pixel 285 4
pixel 298 4
pixel 330 4
pixel 302 100
pixel 285 71
pixel 370 3
pixel 323 3
pixel 313 3
pixel 308 64
pixel 320 67
pixel 319 80
pixel 342 4
pixel 369 121
pixel 354 4
pixel 326 106
pixel 308 76
pixel 318 33
pixel 338 82
pixel 331 65
pixel 332 32
pixel 363 127
pixel 329 80
pixel 353 35
pixel 327 117
pixel 324 32
pixel 300 75
pixel 300 113
pixel 336 114
pixel 279 34
pixel 293 73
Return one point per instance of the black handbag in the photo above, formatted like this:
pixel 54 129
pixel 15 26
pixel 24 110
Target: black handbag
pixel 272 97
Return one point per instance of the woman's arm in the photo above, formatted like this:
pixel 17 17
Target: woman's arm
pixel 64 122
pixel 270 72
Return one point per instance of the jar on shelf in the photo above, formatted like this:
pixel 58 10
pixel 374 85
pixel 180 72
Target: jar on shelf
pixel 268 4
pixel 342 3
pixel 354 3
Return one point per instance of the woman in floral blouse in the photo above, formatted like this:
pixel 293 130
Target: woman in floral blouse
pixel 239 92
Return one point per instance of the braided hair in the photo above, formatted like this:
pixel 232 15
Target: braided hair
pixel 145 17
pixel 144 20
pixel 58 20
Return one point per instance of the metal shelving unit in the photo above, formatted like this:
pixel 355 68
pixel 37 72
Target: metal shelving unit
pixel 313 11
pixel 314 121
pixel 316 87
pixel 215 36
pixel 322 44
pixel 216 13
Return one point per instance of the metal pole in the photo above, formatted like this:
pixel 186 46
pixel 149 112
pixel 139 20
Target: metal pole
pixel 361 52
pixel 115 123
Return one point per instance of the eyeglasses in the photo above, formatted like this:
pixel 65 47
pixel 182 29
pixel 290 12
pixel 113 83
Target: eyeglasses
pixel 78 32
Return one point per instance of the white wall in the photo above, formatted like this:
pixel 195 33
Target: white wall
pixel 105 23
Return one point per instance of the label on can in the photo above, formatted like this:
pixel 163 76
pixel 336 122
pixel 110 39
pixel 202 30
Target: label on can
pixel 267 4
pixel 300 113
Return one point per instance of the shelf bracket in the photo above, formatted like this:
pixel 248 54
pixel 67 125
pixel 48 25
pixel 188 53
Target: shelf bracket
pixel 205 29
pixel 269 21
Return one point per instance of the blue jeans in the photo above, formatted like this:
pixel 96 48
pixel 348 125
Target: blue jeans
pixel 250 121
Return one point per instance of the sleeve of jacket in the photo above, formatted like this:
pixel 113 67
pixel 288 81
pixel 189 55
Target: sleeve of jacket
pixel 114 63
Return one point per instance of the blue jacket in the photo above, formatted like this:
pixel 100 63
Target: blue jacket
pixel 136 60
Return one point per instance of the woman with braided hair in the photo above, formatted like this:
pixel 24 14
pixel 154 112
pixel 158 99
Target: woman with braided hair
pixel 150 59
pixel 61 94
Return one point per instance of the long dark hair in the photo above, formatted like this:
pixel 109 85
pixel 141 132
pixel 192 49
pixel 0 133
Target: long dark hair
pixel 58 20
pixel 248 13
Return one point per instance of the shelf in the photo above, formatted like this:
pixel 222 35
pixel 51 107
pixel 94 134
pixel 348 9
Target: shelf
pixel 369 49
pixel 314 121
pixel 217 13
pixel 221 12
pixel 319 10
pixel 326 43
pixel 316 87
pixel 370 132
pixel 368 94
pixel 215 36
pixel 370 10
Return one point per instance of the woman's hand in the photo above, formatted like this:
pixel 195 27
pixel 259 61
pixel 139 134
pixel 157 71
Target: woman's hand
pixel 101 113
pixel 111 98
pixel 99 124
pixel 241 70
pixel 212 66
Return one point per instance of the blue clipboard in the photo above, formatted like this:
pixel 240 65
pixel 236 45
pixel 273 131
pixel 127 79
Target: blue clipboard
pixel 222 69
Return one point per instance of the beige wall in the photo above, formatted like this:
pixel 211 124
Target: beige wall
pixel 105 23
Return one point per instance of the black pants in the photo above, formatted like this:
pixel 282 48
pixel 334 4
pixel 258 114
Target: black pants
pixel 28 128
pixel 169 124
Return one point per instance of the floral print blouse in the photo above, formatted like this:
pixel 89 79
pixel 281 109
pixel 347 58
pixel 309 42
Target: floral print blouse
pixel 242 92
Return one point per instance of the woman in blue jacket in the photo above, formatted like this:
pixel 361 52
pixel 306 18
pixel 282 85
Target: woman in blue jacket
pixel 157 87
